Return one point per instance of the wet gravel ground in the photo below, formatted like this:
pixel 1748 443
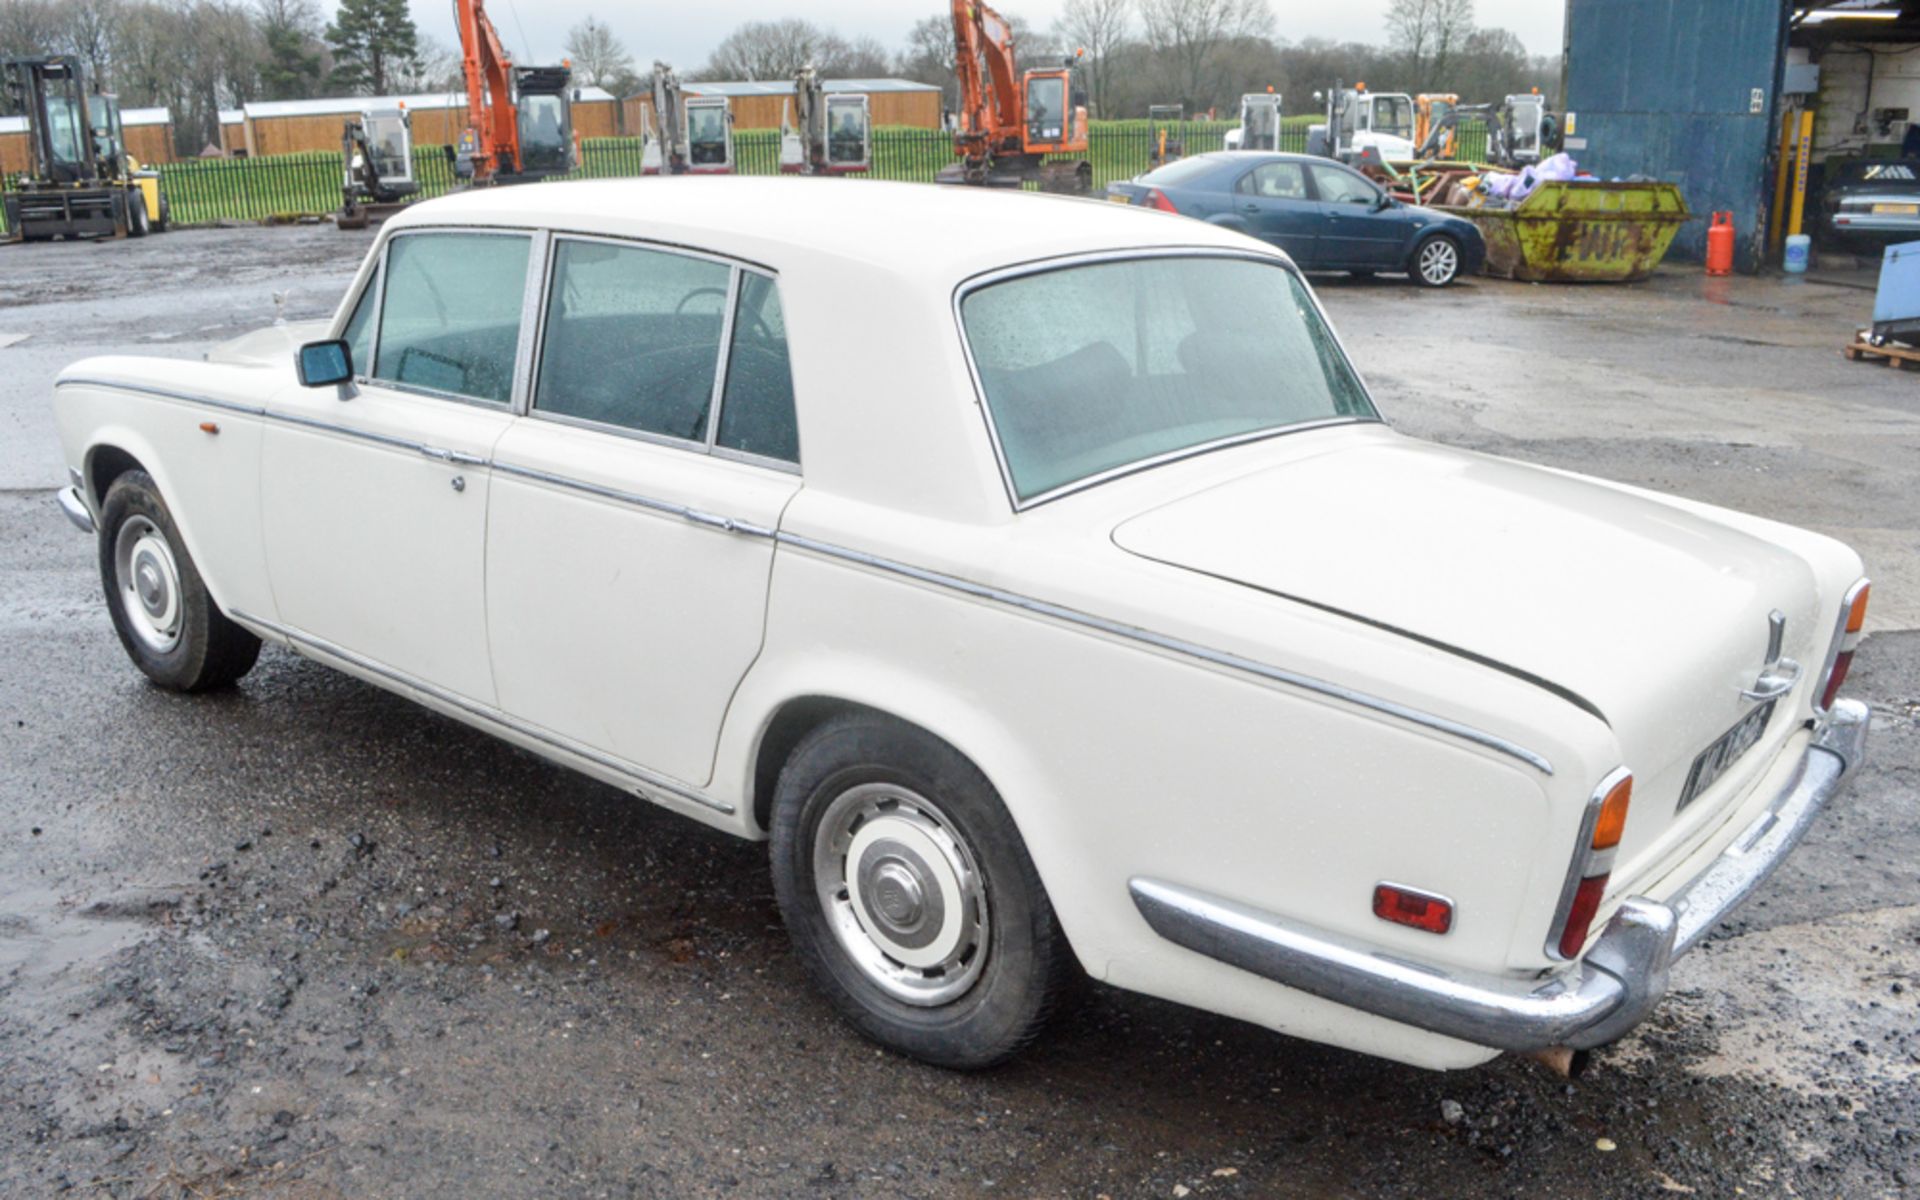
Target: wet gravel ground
pixel 305 939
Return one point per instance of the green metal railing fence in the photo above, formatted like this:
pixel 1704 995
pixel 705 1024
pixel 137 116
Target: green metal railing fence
pixel 204 191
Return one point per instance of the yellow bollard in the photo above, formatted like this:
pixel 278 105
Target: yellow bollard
pixel 1802 154
pixel 1777 224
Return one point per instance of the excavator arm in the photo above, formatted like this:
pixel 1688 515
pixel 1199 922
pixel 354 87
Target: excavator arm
pixel 490 112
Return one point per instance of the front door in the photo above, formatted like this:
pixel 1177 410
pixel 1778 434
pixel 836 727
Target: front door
pixel 1274 201
pixel 374 499
pixel 631 534
pixel 1353 235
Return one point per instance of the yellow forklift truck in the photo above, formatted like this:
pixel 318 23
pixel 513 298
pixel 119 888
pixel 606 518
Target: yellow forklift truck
pixel 80 180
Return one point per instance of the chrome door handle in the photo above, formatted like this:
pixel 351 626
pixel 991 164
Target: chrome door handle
pixel 452 456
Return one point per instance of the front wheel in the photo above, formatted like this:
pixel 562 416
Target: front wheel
pixel 910 897
pixel 1436 261
pixel 161 609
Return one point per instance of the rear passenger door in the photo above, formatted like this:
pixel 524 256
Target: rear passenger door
pixel 630 534
pixel 1273 200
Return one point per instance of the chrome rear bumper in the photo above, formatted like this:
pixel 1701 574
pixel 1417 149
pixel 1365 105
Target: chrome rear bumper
pixel 1611 989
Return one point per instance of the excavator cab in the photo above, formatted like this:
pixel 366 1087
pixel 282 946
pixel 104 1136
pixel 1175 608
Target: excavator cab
pixel 849 134
pixel 1259 123
pixel 377 149
pixel 1049 119
pixel 1532 132
pixel 1430 113
pixel 1358 121
pixel 1164 142
pixel 545 118
pixel 709 135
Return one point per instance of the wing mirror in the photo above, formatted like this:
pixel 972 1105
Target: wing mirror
pixel 1382 203
pixel 320 364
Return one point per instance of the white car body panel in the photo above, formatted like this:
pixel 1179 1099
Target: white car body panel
pixel 1116 661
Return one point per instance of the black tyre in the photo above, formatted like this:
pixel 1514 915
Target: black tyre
pixel 170 626
pixel 910 897
pixel 166 216
pixel 137 222
pixel 1435 261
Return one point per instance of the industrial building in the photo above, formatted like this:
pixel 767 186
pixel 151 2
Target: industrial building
pixel 1709 93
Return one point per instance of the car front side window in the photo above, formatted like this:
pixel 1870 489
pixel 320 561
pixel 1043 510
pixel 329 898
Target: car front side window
pixel 450 319
pixel 632 338
pixel 1343 187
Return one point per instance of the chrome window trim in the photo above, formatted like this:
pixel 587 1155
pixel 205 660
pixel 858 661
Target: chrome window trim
pixel 1066 262
pixel 726 363
pixel 724 359
pixel 488 713
pixel 1174 645
pixel 380 312
pixel 338 330
pixel 532 311
pixel 738 269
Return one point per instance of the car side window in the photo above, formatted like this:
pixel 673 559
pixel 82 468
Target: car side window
pixel 450 321
pixel 359 331
pixel 1274 181
pixel 632 338
pixel 1343 187
pixel 756 410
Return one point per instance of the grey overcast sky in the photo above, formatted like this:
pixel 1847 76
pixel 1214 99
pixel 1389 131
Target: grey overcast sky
pixel 682 34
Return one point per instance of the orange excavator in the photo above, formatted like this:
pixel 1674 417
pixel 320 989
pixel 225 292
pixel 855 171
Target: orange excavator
pixel 519 119
pixel 1010 123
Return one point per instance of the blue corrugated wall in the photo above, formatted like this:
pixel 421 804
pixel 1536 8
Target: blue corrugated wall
pixel 1664 88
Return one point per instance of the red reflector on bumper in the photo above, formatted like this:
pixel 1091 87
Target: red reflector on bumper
pixel 1408 906
pixel 1586 902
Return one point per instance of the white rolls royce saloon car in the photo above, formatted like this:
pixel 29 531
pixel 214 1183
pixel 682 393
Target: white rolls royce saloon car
pixel 1052 596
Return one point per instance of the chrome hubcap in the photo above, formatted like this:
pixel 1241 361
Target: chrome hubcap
pixel 902 893
pixel 148 583
pixel 1438 262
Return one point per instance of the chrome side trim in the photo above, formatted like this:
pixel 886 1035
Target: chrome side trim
pixel 306 643
pixel 1173 645
pixel 1612 989
pixel 75 507
pixel 251 410
pixel 664 507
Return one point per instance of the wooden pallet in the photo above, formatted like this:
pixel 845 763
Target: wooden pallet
pixel 1892 354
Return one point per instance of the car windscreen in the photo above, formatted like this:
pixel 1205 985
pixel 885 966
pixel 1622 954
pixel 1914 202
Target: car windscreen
pixel 1092 368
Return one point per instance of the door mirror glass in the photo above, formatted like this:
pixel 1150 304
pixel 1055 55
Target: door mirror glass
pixel 322 363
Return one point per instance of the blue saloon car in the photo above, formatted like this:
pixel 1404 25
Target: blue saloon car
pixel 1326 215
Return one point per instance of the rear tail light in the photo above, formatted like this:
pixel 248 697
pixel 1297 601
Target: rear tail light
pixel 1853 618
pixel 1410 906
pixel 1600 832
pixel 1158 199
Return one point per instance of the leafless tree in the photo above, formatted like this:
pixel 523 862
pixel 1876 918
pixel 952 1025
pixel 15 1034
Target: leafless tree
pixel 435 67
pixel 1429 32
pixel 766 50
pixel 29 27
pixel 598 56
pixel 1101 28
pixel 88 33
pixel 1183 34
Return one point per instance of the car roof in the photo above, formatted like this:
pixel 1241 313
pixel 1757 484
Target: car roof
pixel 939 234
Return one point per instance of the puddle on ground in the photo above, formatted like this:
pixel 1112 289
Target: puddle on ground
pixel 43 935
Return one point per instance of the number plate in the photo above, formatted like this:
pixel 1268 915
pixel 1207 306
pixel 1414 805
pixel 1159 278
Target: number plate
pixel 1115 198
pixel 1904 210
pixel 1725 751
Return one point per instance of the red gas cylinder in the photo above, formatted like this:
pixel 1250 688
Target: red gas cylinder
pixel 1720 244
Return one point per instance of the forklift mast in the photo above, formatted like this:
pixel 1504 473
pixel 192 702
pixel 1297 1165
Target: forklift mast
pixel 65 146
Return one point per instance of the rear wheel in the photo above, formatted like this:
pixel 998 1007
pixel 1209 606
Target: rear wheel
pixel 910 897
pixel 167 621
pixel 1436 261
pixel 137 223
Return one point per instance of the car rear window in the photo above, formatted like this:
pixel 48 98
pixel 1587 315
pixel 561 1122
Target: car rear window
pixel 1092 368
pixel 1178 172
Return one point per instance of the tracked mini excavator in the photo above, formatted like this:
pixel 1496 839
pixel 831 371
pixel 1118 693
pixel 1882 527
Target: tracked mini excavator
pixel 1011 123
pixel 378 149
pixel 688 134
pixel 519 119
pixel 834 135
pixel 80 179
